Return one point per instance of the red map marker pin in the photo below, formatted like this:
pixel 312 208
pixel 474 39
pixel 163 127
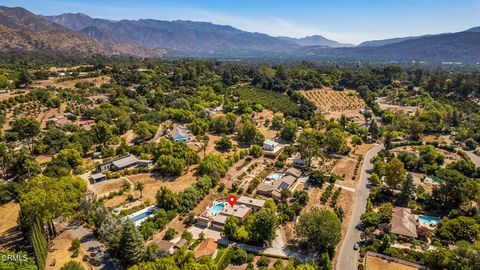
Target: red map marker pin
pixel 232 200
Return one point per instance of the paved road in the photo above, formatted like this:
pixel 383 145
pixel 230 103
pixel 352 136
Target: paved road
pixel 97 251
pixel 347 258
pixel 474 158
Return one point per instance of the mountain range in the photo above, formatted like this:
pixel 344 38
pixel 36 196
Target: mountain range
pixel 316 40
pixel 79 33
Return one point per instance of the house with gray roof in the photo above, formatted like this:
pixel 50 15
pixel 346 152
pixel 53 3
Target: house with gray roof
pixel 125 162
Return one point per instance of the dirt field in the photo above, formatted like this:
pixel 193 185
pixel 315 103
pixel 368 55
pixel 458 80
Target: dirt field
pixel 54 82
pixel 129 137
pixel 103 188
pixel 42 115
pixel 260 121
pixel 210 149
pixel 361 150
pixel 449 157
pixel 328 99
pixel 375 263
pixel 12 93
pixel 333 103
pixel 386 105
pixel 60 254
pixel 444 139
pixel 65 69
pixel 345 201
pixel 345 169
pixel 152 183
pixel 9 233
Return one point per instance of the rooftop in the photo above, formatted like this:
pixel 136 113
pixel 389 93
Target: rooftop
pixel 239 211
pixel 125 161
pixel 220 219
pixel 294 172
pixel 181 243
pixel 164 244
pixel 265 187
pixel 284 182
pixel 403 222
pixel 270 143
pixel 251 201
pixel 97 176
pixel 206 248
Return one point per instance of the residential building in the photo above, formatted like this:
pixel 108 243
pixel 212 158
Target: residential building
pixel 403 223
pixel 207 247
pixel 239 211
pixel 242 208
pixel 97 177
pixel 274 189
pixel 87 122
pixel 165 246
pixel 270 146
pixel 255 204
pixel 181 133
pixel 293 172
pixel 181 243
pixel 124 163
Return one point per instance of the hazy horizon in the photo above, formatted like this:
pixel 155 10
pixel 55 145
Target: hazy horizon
pixel 346 21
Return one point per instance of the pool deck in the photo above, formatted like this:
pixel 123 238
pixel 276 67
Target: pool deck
pixel 207 214
pixel 139 212
pixel 428 224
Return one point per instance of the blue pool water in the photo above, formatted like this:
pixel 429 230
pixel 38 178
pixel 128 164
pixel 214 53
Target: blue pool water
pixel 275 176
pixel 142 215
pixel 429 220
pixel 217 208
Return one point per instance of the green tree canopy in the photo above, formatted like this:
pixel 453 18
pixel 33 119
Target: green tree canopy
pixel 261 226
pixel 394 173
pixel 320 229
pixel 132 248
pixel 47 198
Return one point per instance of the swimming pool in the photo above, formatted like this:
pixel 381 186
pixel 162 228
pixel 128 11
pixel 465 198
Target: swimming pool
pixel 275 176
pixel 430 221
pixel 217 208
pixel 140 216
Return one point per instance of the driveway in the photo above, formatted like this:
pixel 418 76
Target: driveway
pixel 278 248
pixel 97 251
pixel 347 258
pixel 474 158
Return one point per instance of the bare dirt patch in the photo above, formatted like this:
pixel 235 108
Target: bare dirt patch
pixel 54 82
pixel 10 235
pixel 129 137
pixel 210 149
pixel 375 263
pixel 260 118
pixel 9 214
pixel 332 104
pixel 361 150
pixel 385 104
pixel 59 254
pixel 345 168
pixel 103 188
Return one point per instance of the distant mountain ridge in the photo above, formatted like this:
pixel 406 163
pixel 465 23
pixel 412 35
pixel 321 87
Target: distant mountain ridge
pixel 455 47
pixel 187 36
pixel 22 30
pixel 316 40
pixel 383 42
pixel 474 29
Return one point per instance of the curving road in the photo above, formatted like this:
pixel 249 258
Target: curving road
pixel 474 158
pixel 347 258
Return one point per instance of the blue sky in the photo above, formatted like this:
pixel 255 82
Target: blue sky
pixel 350 21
